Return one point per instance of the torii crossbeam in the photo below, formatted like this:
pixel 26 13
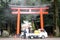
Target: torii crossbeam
pixel 18 12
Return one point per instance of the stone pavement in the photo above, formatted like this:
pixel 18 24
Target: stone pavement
pixel 29 39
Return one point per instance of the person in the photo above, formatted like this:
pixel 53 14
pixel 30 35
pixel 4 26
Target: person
pixel 24 33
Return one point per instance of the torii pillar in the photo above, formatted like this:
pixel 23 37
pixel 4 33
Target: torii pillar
pixel 18 22
pixel 42 12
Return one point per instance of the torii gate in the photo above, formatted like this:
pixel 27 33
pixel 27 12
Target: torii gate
pixel 18 12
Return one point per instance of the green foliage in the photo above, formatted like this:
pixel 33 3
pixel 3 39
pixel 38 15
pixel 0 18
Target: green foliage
pixel 4 3
pixel 59 20
pixel 23 17
pixel 4 17
pixel 45 1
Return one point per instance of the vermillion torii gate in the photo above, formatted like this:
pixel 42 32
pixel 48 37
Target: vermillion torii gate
pixel 18 12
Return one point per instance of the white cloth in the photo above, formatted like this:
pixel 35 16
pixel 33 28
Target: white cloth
pixel 27 30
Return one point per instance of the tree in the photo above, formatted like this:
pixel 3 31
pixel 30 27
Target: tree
pixel 56 17
pixel 4 9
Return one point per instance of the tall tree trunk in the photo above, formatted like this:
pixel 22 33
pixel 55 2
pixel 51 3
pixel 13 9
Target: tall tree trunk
pixel 56 17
